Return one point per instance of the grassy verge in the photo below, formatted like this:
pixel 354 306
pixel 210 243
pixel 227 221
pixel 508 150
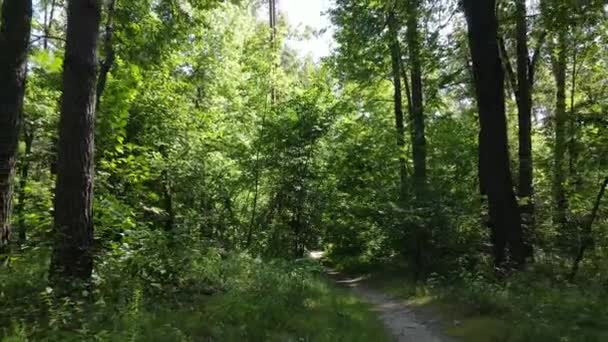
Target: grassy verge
pixel 192 295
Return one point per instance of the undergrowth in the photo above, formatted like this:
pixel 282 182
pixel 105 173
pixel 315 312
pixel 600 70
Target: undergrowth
pixel 159 290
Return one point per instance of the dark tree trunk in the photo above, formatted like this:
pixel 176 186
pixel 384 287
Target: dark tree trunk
pixel 28 135
pixel 524 109
pixel 72 257
pixel 417 106
pixel 398 103
pixel 494 155
pixel 559 170
pixel 14 40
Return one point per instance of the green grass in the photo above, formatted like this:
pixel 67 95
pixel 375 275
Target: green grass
pixel 330 314
pixel 188 296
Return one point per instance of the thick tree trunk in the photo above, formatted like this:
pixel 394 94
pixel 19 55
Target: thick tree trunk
pixel 398 103
pixel 72 257
pixel 14 40
pixel 524 109
pixel 417 106
pixel 494 155
pixel 23 178
pixel 559 152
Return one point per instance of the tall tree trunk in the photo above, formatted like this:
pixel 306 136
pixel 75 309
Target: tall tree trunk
pixel 72 257
pixel 494 155
pixel 524 109
pixel 417 106
pixel 560 121
pixel 272 22
pixel 417 129
pixel 398 103
pixel 14 41
pixel 28 135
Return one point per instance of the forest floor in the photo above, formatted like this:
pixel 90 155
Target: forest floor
pixel 402 321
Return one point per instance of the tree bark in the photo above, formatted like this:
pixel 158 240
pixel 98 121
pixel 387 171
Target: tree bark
pixel 524 111
pixel 494 155
pixel 14 41
pixel 417 106
pixel 398 103
pixel 72 257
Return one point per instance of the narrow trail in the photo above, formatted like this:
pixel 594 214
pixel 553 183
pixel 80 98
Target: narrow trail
pixel 400 320
pixel 403 323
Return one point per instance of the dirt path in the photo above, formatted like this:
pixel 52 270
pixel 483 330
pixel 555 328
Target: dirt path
pixel 401 321
pixel 404 324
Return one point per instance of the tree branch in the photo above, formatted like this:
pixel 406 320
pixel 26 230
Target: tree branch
pixel 535 57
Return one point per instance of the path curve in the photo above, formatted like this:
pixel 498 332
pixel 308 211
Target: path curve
pixel 403 323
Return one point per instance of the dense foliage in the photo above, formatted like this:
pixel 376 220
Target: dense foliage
pixel 222 156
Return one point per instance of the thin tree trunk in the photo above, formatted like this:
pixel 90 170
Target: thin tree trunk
pixel 72 257
pixel 524 109
pixel 272 13
pixel 417 106
pixel 559 152
pixel 168 202
pixel 587 231
pixel 272 22
pixel 572 129
pixel 110 54
pixel 23 178
pixel 494 155
pixel 14 41
pixel 48 22
pixel 398 103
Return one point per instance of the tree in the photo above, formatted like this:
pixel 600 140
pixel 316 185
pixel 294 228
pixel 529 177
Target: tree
pixel 559 64
pixel 73 250
pixel 494 161
pixel 110 54
pixel 525 81
pixel 396 67
pixel 522 82
pixel 417 105
pixel 14 41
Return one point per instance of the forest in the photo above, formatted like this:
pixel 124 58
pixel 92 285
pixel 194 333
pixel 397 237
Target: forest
pixel 176 170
